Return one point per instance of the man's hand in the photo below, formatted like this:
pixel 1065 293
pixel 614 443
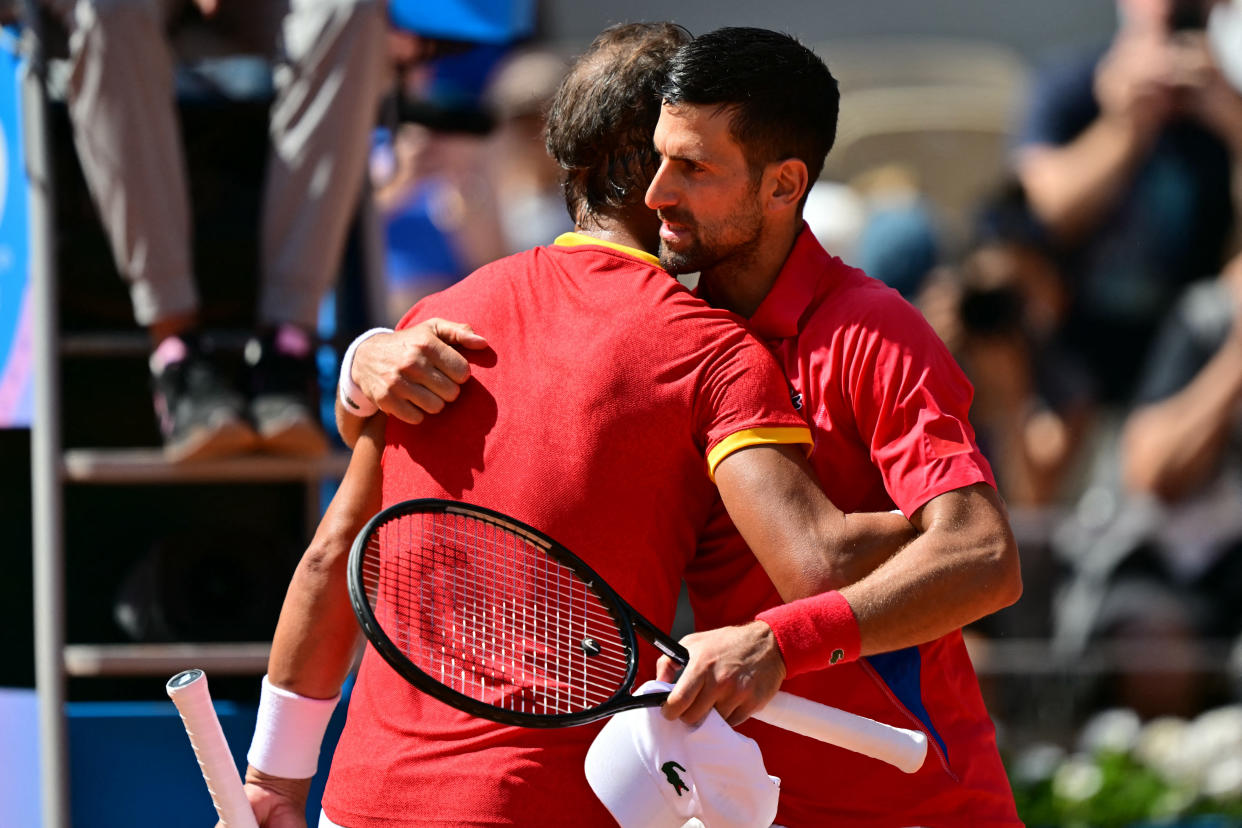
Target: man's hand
pixel 1206 94
pixel 1135 83
pixel 736 670
pixel 413 372
pixel 208 8
pixel 277 802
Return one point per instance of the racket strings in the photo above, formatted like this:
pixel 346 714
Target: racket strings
pixel 492 615
pixel 534 671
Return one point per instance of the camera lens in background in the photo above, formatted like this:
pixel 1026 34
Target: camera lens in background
pixel 1188 15
pixel 991 312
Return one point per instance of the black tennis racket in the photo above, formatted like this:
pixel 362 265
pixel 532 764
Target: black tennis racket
pixel 496 619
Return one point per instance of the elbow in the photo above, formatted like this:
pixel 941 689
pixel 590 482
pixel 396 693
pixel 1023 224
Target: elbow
pixel 327 554
pixel 1005 573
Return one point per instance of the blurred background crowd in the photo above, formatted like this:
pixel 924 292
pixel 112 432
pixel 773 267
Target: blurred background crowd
pixel 1064 211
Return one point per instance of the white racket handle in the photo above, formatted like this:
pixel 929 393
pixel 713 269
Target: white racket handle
pixel 188 690
pixel 901 748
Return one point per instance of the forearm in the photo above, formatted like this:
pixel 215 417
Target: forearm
pixel 923 594
pixel 1072 187
pixel 1170 447
pixel 963 566
pixel 316 637
pixel 803 541
pixel 867 540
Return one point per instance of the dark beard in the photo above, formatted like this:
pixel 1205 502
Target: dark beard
pixel 691 260
pixel 679 263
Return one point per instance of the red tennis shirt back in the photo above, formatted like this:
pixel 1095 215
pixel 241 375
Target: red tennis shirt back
pixel 595 415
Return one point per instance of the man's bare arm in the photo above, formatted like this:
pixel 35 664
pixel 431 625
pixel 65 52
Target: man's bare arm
pixel 803 541
pixel 806 545
pixel 1073 186
pixel 903 589
pixel 317 636
pixel 1170 447
pixel 963 566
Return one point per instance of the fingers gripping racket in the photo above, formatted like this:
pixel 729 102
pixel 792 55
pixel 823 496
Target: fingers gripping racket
pixel 188 690
pixel 498 620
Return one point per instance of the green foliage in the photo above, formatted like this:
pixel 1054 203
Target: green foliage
pixel 1170 774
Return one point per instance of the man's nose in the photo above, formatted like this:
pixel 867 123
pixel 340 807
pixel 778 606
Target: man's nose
pixel 659 194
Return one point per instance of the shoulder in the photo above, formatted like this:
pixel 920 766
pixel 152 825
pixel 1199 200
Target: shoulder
pixel 859 304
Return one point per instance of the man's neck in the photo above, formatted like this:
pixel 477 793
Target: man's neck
pixel 632 228
pixel 741 283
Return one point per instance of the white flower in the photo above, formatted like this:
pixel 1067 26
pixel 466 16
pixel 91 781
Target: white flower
pixel 1078 779
pixel 1215 735
pixel 1223 780
pixel 1160 747
pixel 1116 730
pixel 1037 762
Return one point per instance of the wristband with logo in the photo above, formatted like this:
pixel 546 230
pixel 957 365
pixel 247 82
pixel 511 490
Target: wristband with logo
pixel 814 633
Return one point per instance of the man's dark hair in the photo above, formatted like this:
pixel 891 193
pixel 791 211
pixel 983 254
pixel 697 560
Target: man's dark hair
pixel 604 114
pixel 784 101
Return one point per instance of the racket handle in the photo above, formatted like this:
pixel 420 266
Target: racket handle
pixel 901 748
pixel 188 691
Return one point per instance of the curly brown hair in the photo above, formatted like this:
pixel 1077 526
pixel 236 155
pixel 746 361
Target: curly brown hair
pixel 601 121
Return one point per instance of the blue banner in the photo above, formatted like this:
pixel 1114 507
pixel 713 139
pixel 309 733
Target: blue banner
pixel 16 395
pixel 472 21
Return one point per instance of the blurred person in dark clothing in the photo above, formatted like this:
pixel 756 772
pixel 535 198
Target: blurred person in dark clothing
pixel 1126 152
pixel 1001 312
pixel 1181 461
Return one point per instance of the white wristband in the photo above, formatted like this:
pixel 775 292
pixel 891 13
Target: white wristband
pixel 288 732
pixel 352 398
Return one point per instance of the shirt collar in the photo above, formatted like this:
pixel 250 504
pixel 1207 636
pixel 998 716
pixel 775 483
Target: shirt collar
pixel 779 314
pixel 578 239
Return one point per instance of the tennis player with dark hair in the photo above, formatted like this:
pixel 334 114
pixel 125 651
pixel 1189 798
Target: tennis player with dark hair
pixel 600 408
pixel 748 116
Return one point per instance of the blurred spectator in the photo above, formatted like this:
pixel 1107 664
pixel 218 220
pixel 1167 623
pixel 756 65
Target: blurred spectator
pixel 899 243
pixel 1126 153
pixel 525 178
pixel 330 66
pixel 430 173
pixel 1181 461
pixel 1001 313
pixel 1165 567
pixel 465 178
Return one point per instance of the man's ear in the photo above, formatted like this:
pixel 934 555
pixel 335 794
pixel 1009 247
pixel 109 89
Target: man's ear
pixel 788 182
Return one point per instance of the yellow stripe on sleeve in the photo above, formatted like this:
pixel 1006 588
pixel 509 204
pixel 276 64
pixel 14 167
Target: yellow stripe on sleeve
pixel 788 435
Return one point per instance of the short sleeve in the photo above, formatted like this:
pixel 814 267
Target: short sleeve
pixel 912 407
pixel 743 400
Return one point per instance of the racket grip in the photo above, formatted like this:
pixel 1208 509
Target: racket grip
pixel 188 691
pixel 901 748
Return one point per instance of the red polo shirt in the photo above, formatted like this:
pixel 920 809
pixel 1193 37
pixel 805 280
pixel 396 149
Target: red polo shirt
pixel 605 398
pixel 888 408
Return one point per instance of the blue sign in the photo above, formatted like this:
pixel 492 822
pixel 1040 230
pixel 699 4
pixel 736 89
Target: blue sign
pixel 16 387
pixel 472 21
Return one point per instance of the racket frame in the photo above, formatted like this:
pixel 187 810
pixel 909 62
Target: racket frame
pixel 627 619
